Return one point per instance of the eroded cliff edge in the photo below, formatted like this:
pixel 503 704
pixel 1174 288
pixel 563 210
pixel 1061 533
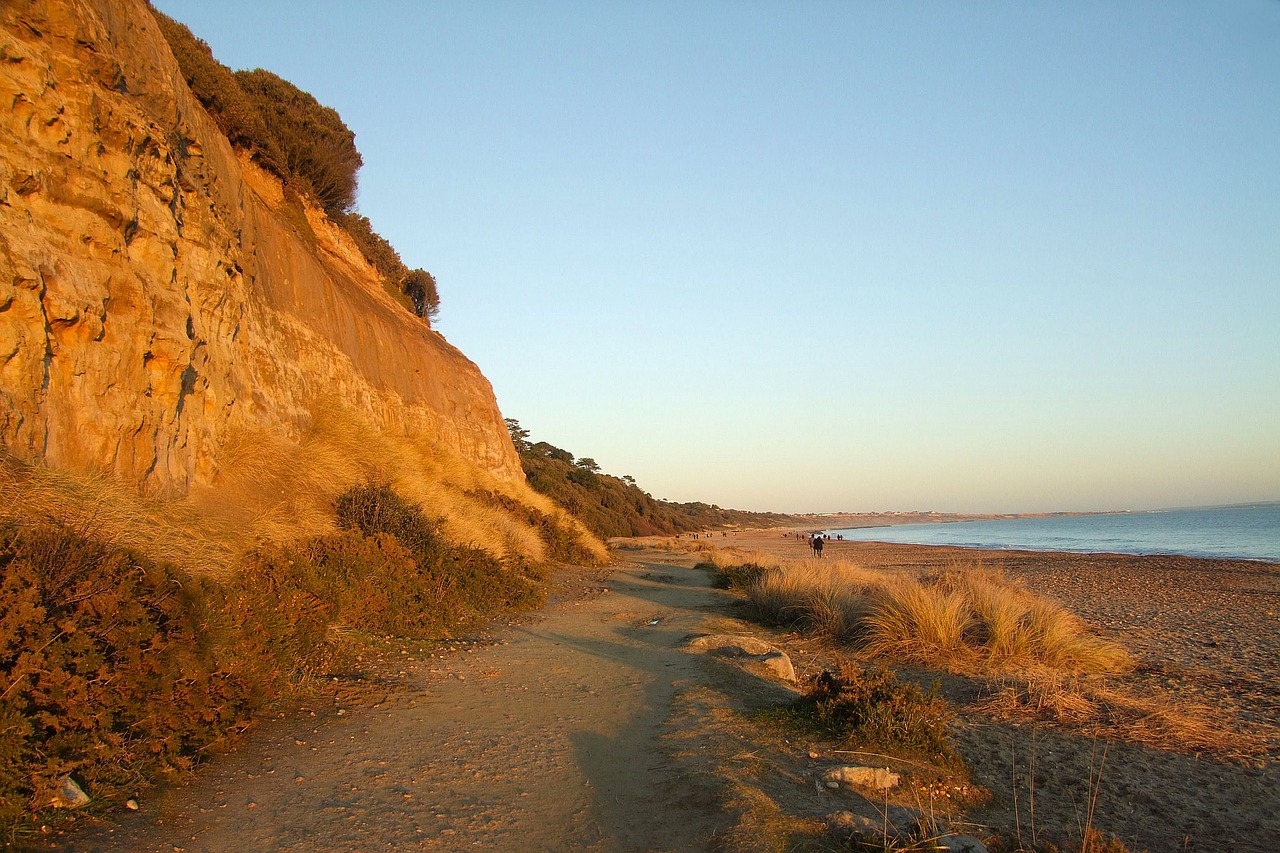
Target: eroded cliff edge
pixel 159 296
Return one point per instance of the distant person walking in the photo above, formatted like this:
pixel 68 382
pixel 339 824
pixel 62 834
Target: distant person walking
pixel 817 547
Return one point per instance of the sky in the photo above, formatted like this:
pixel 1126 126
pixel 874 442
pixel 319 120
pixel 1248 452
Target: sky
pixel 834 256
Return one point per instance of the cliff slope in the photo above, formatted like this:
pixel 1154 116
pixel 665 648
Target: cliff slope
pixel 159 296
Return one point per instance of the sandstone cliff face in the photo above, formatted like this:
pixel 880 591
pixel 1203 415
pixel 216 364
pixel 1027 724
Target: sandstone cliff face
pixel 157 295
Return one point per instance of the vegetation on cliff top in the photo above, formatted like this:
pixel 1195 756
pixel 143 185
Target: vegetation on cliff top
pixel 304 143
pixel 616 506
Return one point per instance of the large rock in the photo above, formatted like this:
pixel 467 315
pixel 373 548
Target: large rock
pixel 157 295
pixel 69 794
pixel 772 660
pixel 880 778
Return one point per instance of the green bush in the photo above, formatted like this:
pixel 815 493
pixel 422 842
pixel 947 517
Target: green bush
pixel 213 84
pixel 416 289
pixel 877 709
pixel 420 286
pixel 304 143
pixel 462 582
pixel 317 146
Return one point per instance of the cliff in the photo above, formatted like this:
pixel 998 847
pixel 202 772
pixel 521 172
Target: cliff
pixel 159 296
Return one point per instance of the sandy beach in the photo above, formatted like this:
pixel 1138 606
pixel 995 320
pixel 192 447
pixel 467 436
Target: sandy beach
pixel 1204 634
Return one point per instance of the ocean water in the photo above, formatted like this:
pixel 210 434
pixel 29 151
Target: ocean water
pixel 1236 532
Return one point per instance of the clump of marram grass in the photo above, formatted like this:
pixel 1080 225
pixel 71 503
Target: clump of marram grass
pixel 828 597
pixel 913 621
pixel 965 618
pixel 735 568
pixel 975 615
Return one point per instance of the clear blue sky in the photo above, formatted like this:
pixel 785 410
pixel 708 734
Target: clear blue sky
pixel 835 255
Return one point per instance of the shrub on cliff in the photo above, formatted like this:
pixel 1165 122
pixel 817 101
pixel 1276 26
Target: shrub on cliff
pixel 286 129
pixel 301 141
pixel 420 286
pixel 615 506
pixel 317 145
pixel 217 89
pixel 415 288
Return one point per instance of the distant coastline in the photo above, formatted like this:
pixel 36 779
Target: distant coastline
pixel 857 520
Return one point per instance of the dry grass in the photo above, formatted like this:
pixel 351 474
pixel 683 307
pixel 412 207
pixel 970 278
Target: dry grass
pixel 1099 711
pixel 101 507
pixel 918 622
pixel 271 490
pixel 830 597
pixel 967 619
pixel 1013 628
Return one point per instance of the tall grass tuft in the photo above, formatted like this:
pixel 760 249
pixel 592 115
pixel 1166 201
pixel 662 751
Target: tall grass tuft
pixel 830 597
pixel 918 622
pixel 967 617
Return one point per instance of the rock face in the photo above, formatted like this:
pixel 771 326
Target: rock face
pixel 157 294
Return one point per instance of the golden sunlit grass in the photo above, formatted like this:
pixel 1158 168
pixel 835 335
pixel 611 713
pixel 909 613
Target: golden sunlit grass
pixel 964 619
pixel 976 621
pixel 971 613
pixel 914 622
pixel 1099 711
pixel 830 597
pixel 99 506
pixel 270 490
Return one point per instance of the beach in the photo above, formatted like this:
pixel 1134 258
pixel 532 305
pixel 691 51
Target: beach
pixel 1204 635
pixel 1201 629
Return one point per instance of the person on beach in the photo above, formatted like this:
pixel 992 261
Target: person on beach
pixel 817 547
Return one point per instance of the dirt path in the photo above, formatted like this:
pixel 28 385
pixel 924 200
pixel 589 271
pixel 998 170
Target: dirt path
pixel 588 727
pixel 542 736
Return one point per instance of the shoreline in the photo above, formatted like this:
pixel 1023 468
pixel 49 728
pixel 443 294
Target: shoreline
pixel 1264 555
pixel 1200 627
pixel 1201 631
pixel 999 549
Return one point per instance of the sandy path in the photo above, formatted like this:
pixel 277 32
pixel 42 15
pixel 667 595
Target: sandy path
pixel 544 736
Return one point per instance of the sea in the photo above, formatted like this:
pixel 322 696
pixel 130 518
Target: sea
pixel 1245 532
